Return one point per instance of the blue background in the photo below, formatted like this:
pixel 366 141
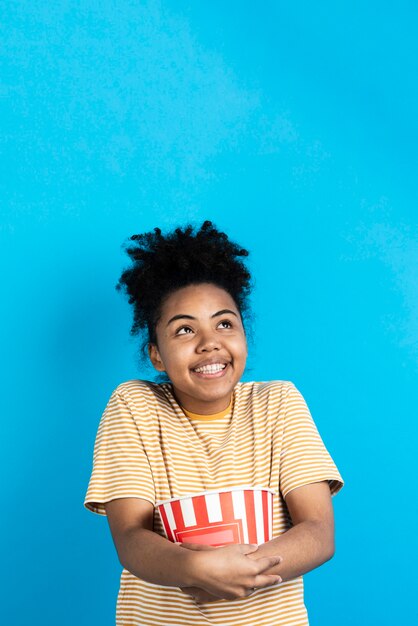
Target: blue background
pixel 293 127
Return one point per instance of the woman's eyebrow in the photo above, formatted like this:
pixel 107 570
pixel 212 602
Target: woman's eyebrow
pixel 190 317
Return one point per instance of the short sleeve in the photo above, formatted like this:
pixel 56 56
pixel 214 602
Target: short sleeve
pixel 121 467
pixel 304 458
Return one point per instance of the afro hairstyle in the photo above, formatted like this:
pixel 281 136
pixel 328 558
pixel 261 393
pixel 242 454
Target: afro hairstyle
pixel 162 264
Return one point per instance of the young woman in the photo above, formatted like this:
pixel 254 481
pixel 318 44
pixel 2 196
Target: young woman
pixel 199 427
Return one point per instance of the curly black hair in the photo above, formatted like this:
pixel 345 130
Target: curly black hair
pixel 163 264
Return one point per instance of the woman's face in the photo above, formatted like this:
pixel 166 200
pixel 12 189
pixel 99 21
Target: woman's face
pixel 206 327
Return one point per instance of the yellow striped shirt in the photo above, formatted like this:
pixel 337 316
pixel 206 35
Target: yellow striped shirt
pixel 148 446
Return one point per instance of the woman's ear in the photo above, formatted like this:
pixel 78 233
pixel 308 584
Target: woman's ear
pixel 155 358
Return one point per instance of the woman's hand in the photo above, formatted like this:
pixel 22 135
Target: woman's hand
pixel 199 595
pixel 229 574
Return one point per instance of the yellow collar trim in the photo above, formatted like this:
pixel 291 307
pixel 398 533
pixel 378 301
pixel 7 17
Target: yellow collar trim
pixel 208 418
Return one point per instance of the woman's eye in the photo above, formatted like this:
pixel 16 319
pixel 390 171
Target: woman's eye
pixel 188 327
pixel 181 328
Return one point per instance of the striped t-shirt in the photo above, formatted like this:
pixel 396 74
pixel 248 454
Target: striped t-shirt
pixel 148 446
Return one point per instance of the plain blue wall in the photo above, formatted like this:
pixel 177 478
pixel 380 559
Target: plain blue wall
pixel 293 127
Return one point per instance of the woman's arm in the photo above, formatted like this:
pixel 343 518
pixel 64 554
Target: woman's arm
pixel 305 546
pixel 143 552
pixel 225 571
pixel 310 542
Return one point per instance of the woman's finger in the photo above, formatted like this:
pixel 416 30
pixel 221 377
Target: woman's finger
pixel 199 595
pixel 247 548
pixel 266 580
pixel 266 562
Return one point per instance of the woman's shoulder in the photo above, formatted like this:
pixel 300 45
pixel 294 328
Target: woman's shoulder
pixel 267 384
pixel 274 387
pixel 137 387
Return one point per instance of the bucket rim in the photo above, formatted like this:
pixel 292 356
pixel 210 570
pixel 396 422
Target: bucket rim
pixel 222 490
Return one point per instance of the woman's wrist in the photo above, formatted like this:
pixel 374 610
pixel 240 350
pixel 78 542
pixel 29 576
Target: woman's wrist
pixel 193 568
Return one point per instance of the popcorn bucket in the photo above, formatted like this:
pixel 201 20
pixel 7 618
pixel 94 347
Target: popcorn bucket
pixel 241 514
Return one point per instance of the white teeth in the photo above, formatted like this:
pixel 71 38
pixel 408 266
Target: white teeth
pixel 211 369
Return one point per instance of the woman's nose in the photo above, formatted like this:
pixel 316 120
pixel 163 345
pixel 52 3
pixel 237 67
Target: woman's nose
pixel 208 340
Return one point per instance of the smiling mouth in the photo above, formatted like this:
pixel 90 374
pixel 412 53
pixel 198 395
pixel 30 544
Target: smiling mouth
pixel 210 375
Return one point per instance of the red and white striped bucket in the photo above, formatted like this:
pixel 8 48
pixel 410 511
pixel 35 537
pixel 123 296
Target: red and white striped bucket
pixel 240 514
